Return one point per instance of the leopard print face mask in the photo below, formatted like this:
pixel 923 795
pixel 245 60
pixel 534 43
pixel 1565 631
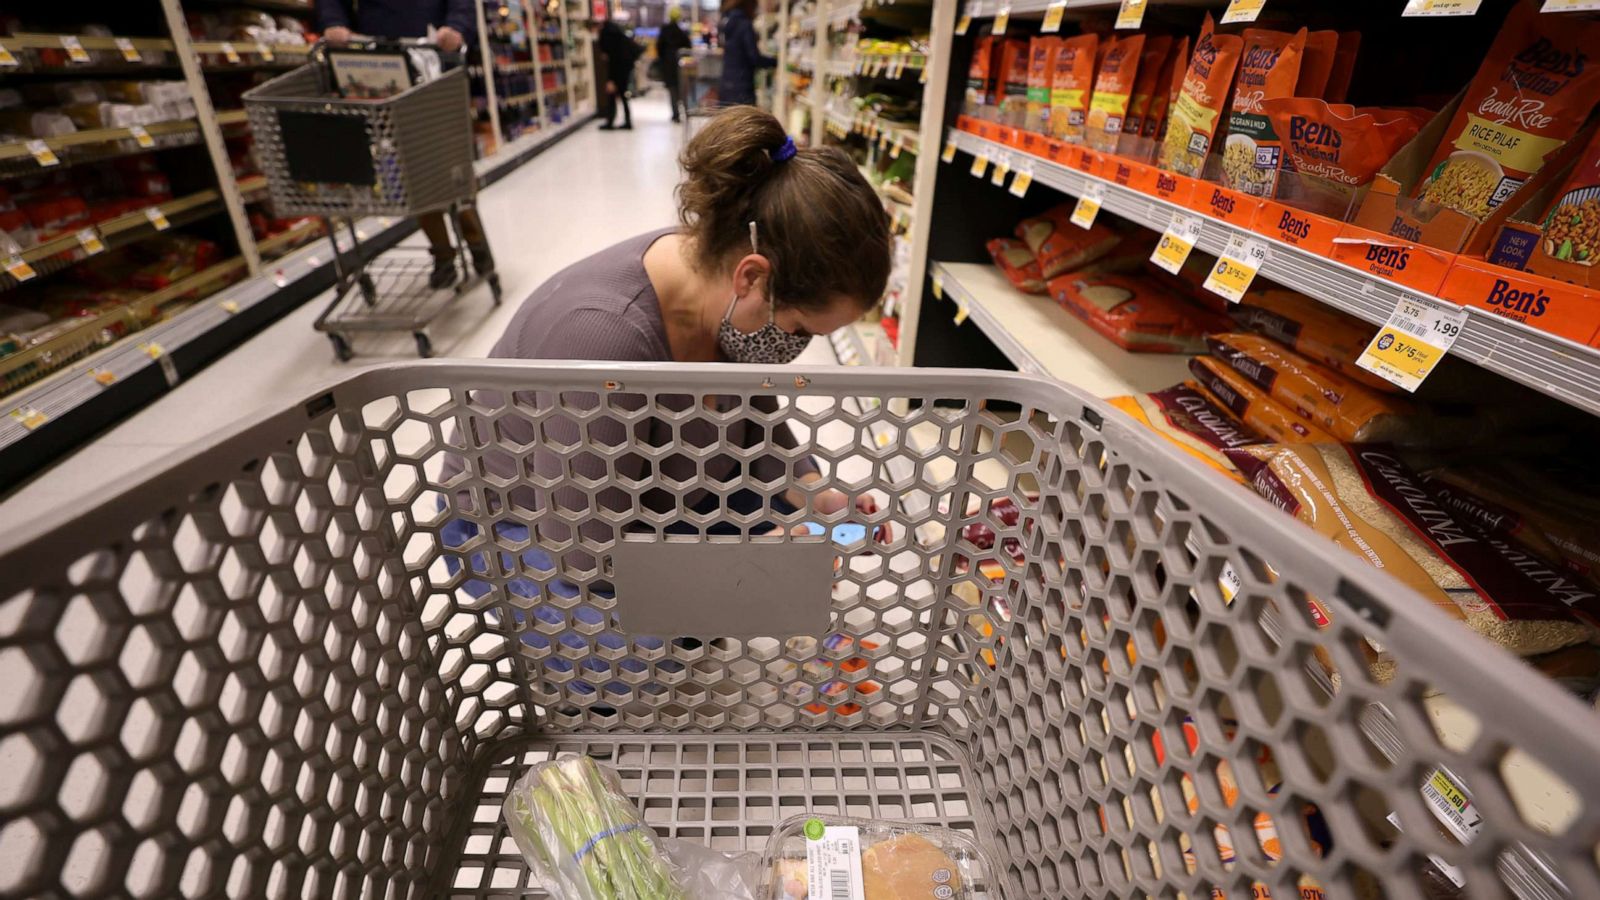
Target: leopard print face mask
pixel 768 345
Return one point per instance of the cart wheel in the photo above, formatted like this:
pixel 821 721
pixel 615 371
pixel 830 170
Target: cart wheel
pixel 424 346
pixel 341 347
pixel 494 287
pixel 369 291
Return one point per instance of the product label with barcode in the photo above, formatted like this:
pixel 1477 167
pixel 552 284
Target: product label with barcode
pixel 1452 806
pixel 1417 336
pixel 833 861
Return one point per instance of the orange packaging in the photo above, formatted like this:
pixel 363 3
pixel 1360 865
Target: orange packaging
pixel 1268 69
pixel 1322 50
pixel 1152 63
pixel 1195 425
pixel 1195 116
pixel 1113 91
pixel 1530 96
pixel 1572 224
pixel 1018 264
pixel 982 71
pixel 1168 82
pixel 1061 246
pixel 1041 57
pixel 1013 90
pixel 1344 67
pixel 1334 149
pixel 1343 408
pixel 1071 81
pixel 1135 313
pixel 1322 334
pixel 1250 405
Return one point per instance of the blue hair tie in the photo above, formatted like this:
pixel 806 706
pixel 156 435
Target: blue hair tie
pixel 785 152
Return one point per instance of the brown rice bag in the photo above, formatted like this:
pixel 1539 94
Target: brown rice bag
pixel 1251 405
pixel 1196 115
pixel 1071 82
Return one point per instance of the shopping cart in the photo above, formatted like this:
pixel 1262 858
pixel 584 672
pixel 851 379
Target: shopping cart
pixel 699 74
pixel 327 153
pixel 277 668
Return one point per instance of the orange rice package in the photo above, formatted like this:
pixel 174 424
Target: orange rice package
pixel 1013 88
pixel 1530 96
pixel 1344 67
pixel 1041 57
pixel 1196 115
pixel 1183 416
pixel 1016 261
pixel 1322 51
pixel 1135 313
pixel 1320 333
pixel 1157 48
pixel 1250 405
pixel 1061 246
pixel 1268 70
pixel 1342 407
pixel 982 72
pixel 1336 148
pixel 1572 224
pixel 1071 82
pixel 1113 91
pixel 1168 83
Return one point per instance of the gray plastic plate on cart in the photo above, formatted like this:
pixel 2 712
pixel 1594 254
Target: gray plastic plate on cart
pixel 300 662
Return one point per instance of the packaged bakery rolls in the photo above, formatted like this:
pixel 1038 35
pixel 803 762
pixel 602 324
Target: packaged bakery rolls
pixel 1134 312
pixel 1061 246
pixel 1197 113
pixel 1016 261
pixel 1113 90
pixel 1186 418
pixel 1530 96
pixel 1041 59
pixel 873 860
pixel 1251 405
pixel 1071 83
pixel 1269 68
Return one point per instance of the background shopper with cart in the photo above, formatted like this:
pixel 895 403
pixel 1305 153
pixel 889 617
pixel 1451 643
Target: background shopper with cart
pixel 669 43
pixel 619 53
pixel 741 55
pixel 452 21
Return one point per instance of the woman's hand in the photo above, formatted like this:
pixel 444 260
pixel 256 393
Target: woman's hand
pixel 832 500
pixel 448 39
pixel 338 35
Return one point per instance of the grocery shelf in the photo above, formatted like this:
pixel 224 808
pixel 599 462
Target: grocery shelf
pixel 844 13
pixel 289 236
pixel 252 48
pixel 232 117
pixel 986 9
pixel 875 127
pixel 877 64
pixel 1041 338
pixel 1564 369
pixel 51 256
pixel 40 41
pixel 16 157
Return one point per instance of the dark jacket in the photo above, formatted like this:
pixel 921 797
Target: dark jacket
pixel 621 53
pixel 741 57
pixel 668 43
pixel 399 18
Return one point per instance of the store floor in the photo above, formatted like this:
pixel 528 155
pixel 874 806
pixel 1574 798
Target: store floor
pixel 585 193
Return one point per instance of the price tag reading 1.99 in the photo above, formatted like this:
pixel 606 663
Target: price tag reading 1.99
pixel 1176 243
pixel 1236 268
pixel 1418 334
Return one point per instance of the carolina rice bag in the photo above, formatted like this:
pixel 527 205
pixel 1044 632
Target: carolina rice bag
pixel 1530 96
pixel 1250 405
pixel 872 860
pixel 1017 263
pixel 1368 502
pixel 1195 425
pixel 1061 246
pixel 1071 81
pixel 1268 69
pixel 1320 333
pixel 1134 312
pixel 1196 114
pixel 1519 504
pixel 1113 90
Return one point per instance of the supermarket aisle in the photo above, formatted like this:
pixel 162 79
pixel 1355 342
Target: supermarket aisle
pixel 585 193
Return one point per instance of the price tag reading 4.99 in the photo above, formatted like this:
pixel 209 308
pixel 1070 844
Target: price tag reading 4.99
pixel 1418 334
pixel 1172 251
pixel 1236 268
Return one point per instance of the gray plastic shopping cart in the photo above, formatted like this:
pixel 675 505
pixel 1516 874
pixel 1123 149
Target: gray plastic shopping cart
pixel 328 151
pixel 303 661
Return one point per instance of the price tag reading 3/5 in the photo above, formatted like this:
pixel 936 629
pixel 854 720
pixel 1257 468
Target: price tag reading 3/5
pixel 1177 242
pixel 1088 206
pixel 1236 268
pixel 1418 334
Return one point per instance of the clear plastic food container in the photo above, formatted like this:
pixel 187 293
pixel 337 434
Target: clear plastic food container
pixel 818 857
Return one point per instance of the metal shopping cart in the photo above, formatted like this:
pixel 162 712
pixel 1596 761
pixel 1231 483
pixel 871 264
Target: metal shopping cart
pixel 333 145
pixel 699 74
pixel 307 661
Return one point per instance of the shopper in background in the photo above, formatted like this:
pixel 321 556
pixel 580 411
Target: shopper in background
pixel 620 52
pixel 741 54
pixel 669 41
pixel 342 20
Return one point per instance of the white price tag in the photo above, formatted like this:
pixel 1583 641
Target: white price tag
pixel 965 22
pixel 833 861
pixel 1441 7
pixel 157 218
pixel 938 286
pixel 129 52
pixel 1452 806
pixel 42 154
pixel 1236 268
pixel 1570 6
pixel 1022 180
pixel 1242 11
pixel 1418 334
pixel 265 52
pixel 141 137
pixel 1052 17
pixel 1131 13
pixel 89 240
pixel 75 51
pixel 1002 18
pixel 1177 242
pixel 29 418
pixel 1083 215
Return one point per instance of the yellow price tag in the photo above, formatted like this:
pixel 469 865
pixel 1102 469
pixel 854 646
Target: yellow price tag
pixel 938 286
pixel 130 53
pixel 948 154
pixel 923 77
pixel 1052 17
pixel 1243 11
pixel 1088 207
pixel 141 137
pixel 157 218
pixel 103 377
pixel 1131 13
pixel 265 52
pixel 1177 242
pixel 1002 18
pixel 152 350
pixel 1002 168
pixel 1418 334
pixel 229 306
pixel 42 154
pixel 89 240
pixel 961 312
pixel 18 268
pixel 75 51
pixel 7 59
pixel 1441 7
pixel 899 145
pixel 1236 268
pixel 980 165
pixel 230 54
pixel 964 24
pixel 29 417
pixel 1020 183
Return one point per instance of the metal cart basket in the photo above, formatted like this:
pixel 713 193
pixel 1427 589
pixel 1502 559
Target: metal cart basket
pixel 405 155
pixel 308 660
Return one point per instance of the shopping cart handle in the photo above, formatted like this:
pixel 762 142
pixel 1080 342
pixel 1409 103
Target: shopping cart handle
pixel 368 44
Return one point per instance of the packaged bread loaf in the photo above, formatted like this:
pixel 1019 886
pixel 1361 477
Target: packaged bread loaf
pixel 1531 95
pixel 1182 415
pixel 1071 83
pixel 1113 89
pixel 1061 246
pixel 1017 262
pixel 1134 312
pixel 1269 68
pixel 1196 115
pixel 1251 405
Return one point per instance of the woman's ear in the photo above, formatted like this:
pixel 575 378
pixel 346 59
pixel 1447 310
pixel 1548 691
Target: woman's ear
pixel 751 275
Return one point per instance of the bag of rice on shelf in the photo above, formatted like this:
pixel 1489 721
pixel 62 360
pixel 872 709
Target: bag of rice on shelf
pixel 1041 60
pixel 1183 416
pixel 1344 67
pixel 1338 147
pixel 1013 90
pixel 1322 50
pixel 1134 312
pixel 1113 91
pixel 1572 226
pixel 1320 333
pixel 1071 82
pixel 1368 502
pixel 1343 408
pixel 1017 263
pixel 1523 505
pixel 1268 70
pixel 1165 90
pixel 1250 405
pixel 1061 246
pixel 1530 96
pixel 1196 115
pixel 983 74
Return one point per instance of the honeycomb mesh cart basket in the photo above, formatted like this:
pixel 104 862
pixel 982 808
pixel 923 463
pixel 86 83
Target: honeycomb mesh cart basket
pixel 309 658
